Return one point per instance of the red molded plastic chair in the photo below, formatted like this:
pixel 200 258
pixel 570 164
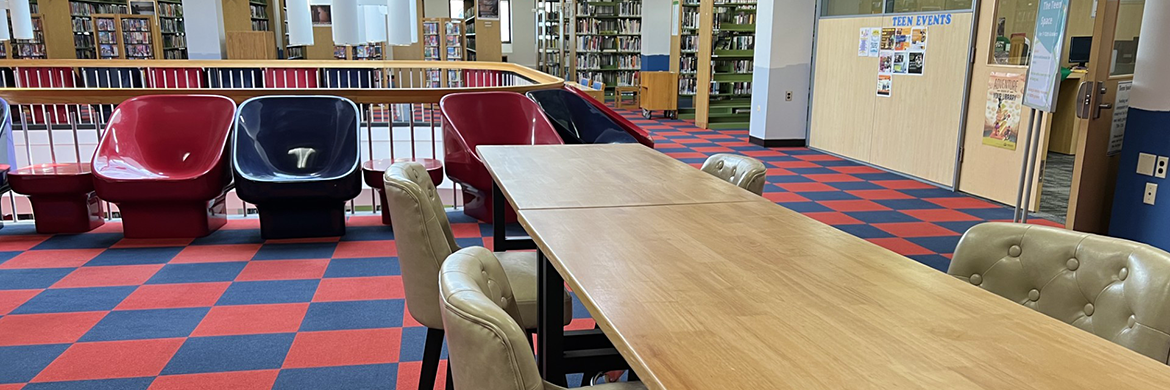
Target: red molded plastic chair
pixel 290 77
pixel 174 78
pixel 487 118
pixel 163 160
pixel 642 136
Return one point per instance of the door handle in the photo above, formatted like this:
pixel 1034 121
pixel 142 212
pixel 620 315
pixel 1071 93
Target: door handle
pixel 1085 98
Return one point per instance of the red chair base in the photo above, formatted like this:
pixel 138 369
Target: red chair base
pixel 374 170
pixel 479 206
pixel 62 197
pixel 191 219
pixel 67 213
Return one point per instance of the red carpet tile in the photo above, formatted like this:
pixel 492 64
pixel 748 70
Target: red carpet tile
pixel 97 311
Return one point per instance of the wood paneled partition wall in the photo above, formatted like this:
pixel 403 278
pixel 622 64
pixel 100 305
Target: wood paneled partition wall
pixel 916 129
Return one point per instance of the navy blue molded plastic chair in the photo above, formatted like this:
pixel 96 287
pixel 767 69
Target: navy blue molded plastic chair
pixel 7 149
pixel 578 121
pixel 348 78
pixel 235 78
pixel 296 158
pixel 111 77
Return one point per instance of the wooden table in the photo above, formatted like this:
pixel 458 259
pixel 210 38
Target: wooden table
pixel 570 176
pixel 750 295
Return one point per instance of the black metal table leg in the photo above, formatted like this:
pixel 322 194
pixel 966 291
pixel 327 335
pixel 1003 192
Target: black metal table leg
pixel 499 239
pixel 550 328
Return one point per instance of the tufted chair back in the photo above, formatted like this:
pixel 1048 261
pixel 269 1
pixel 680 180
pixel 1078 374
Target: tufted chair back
pixel 423 235
pixel 1116 289
pixel 486 344
pixel 743 171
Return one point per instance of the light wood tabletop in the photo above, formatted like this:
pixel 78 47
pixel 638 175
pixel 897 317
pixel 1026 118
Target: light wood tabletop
pixel 570 176
pixel 750 295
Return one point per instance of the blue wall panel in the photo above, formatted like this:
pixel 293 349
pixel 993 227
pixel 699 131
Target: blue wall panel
pixel 1145 132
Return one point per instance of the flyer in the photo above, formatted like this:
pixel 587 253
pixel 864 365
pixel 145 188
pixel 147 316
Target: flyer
pixel 900 62
pixel 1001 122
pixel 887 42
pixel 863 42
pixel 902 38
pixel 875 41
pixel 917 63
pixel 918 39
pixel 884 84
pixel 886 62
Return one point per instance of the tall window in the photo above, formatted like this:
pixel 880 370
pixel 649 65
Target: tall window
pixel 506 21
pixel 457 12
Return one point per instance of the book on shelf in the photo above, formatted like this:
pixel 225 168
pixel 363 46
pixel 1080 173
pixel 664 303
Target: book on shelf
pixel 86 9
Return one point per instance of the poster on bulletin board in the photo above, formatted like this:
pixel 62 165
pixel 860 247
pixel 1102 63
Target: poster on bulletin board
pixel 1001 122
pixel 869 42
pixel 885 85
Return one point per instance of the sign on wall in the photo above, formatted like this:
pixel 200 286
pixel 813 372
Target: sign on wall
pixel 1120 117
pixel 1001 122
pixel 1047 49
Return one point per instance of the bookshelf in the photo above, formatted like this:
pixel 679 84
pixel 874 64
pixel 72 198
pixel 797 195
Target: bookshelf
pixel 368 51
pixel 139 35
pixel 133 37
pixel 172 29
pixel 80 13
pixel 261 18
pixel 725 58
pixel 481 36
pixel 608 42
pixel 290 52
pixel 443 41
pixel 31 48
pixel 551 31
pixel 106 35
pixel 686 61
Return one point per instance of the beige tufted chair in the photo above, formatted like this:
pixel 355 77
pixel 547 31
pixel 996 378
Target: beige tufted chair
pixel 743 171
pixel 424 239
pixel 1116 289
pixel 489 349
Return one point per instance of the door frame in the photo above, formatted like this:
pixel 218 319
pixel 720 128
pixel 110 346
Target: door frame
pixel 1095 172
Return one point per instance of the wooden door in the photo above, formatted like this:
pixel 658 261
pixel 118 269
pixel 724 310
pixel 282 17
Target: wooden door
pixel 1095 174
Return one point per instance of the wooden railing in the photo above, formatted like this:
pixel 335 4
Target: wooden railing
pixel 60 107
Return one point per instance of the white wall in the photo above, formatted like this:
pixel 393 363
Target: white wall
pixel 657 16
pixel 436 8
pixel 523 48
pixel 205 37
pixel 783 63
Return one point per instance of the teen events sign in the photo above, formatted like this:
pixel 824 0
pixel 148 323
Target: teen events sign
pixel 1048 44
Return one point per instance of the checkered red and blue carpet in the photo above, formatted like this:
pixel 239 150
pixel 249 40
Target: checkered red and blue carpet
pixel 97 311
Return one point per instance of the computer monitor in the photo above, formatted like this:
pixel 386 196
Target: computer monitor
pixel 1079 49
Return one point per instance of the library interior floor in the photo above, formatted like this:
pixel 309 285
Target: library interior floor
pixel 97 311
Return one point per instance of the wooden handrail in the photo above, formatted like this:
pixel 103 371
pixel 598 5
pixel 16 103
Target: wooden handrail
pixel 358 95
pixel 532 74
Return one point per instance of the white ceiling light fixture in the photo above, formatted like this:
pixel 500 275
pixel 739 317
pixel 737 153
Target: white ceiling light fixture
pixel 374 23
pixel 399 26
pixel 346 23
pixel 22 27
pixel 300 23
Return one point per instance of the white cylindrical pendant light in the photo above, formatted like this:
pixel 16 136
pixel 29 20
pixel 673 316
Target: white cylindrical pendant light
pixel 414 21
pixel 346 30
pixel 300 23
pixel 375 23
pixel 398 12
pixel 4 34
pixel 22 27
